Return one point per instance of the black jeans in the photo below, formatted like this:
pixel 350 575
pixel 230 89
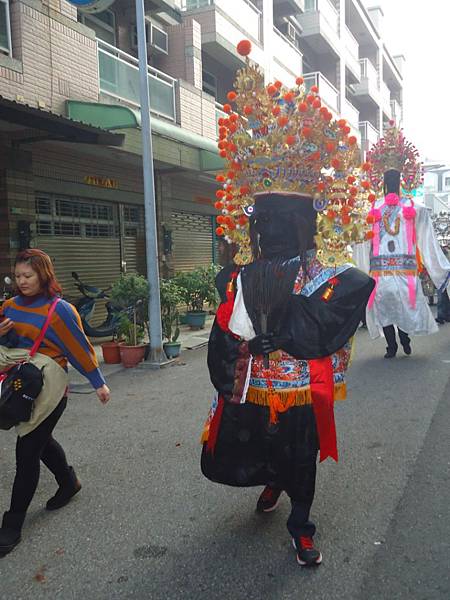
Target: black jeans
pixel 389 334
pixel 30 450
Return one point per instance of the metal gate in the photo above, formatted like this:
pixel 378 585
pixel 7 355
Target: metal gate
pixel 84 236
pixel 192 241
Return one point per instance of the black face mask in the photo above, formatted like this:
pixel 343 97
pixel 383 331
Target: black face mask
pixel 278 232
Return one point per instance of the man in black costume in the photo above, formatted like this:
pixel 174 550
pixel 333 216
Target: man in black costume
pixel 280 343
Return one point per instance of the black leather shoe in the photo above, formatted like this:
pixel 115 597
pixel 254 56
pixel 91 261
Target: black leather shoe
pixel 407 349
pixel 66 491
pixel 440 321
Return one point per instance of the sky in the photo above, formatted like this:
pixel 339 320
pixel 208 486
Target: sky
pixel 420 30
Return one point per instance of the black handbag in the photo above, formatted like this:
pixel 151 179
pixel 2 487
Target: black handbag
pixel 21 384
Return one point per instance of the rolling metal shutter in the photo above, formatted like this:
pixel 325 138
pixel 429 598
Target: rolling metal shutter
pixel 92 248
pixel 192 241
pixel 97 261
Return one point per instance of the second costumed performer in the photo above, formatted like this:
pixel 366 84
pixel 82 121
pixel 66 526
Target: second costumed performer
pixel 279 346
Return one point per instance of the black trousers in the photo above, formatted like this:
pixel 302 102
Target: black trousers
pixel 302 497
pixel 30 450
pixel 389 334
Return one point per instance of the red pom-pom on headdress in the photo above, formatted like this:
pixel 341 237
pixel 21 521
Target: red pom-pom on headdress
pixel 244 47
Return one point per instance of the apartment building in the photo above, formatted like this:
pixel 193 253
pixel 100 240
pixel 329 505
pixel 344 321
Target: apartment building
pixel 70 143
pixel 436 189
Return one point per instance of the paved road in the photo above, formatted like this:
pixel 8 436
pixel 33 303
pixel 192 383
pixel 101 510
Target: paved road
pixel 147 525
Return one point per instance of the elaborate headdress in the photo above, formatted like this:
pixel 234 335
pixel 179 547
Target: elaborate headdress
pixel 393 151
pixel 285 141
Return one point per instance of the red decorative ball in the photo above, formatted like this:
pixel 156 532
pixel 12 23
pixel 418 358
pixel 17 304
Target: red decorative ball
pixel 290 140
pixel 232 96
pixel 289 97
pixel 352 140
pixel 227 108
pixel 336 163
pixel 248 110
pixel 272 89
pixel 220 231
pixel 314 89
pixel 303 107
pixel 278 84
pixel 244 47
pixel 299 80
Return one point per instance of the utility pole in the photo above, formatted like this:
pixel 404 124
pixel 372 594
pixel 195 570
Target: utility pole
pixel 156 356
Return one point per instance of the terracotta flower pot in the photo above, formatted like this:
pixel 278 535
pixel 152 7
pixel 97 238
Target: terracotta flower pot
pixel 111 353
pixel 131 355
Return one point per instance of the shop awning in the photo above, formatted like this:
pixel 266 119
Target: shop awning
pixel 112 116
pixel 28 124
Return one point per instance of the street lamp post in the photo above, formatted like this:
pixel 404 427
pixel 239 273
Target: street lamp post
pixel 156 350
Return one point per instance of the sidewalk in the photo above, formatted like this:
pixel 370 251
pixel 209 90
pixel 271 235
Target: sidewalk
pixel 189 339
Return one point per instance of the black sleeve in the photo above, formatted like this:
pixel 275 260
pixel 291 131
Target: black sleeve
pixel 223 352
pixel 317 328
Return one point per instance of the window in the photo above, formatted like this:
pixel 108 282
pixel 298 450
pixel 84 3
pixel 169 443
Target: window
pixel 69 216
pixel 5 28
pixel 209 83
pixel 104 25
pixel 447 182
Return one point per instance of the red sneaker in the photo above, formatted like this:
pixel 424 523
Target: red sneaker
pixel 307 555
pixel 269 499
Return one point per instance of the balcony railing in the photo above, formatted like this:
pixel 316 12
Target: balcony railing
pixel 326 9
pixel 119 78
pixel 368 71
pixel 386 99
pixel 327 91
pixel 351 43
pixel 396 111
pixel 286 52
pixel 350 113
pixel 368 133
pixel 219 113
pixel 242 11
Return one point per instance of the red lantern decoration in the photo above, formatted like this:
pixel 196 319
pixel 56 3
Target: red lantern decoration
pixel 244 47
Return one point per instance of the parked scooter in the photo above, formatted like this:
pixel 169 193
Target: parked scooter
pixel 86 308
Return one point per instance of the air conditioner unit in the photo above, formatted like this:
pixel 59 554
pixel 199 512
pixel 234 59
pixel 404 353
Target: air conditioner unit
pixel 159 40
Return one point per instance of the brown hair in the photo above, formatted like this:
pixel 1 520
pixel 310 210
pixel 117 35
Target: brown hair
pixel 41 262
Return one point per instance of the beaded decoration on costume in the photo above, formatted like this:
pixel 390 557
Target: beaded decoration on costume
pixel 393 151
pixel 285 140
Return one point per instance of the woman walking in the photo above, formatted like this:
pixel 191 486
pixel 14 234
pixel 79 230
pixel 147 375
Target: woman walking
pixel 21 319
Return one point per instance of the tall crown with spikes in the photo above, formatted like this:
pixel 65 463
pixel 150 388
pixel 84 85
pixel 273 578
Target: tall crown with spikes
pixel 284 141
pixel 393 151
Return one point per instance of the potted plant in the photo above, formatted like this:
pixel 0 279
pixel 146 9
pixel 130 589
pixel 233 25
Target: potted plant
pixel 132 350
pixel 171 296
pixel 198 289
pixel 130 292
pixel 110 351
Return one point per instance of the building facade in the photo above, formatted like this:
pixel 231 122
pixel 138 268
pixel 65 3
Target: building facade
pixel 70 143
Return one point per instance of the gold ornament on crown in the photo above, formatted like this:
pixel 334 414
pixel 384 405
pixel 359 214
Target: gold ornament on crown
pixel 285 140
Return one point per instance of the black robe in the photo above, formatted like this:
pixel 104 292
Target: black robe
pixel 249 449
